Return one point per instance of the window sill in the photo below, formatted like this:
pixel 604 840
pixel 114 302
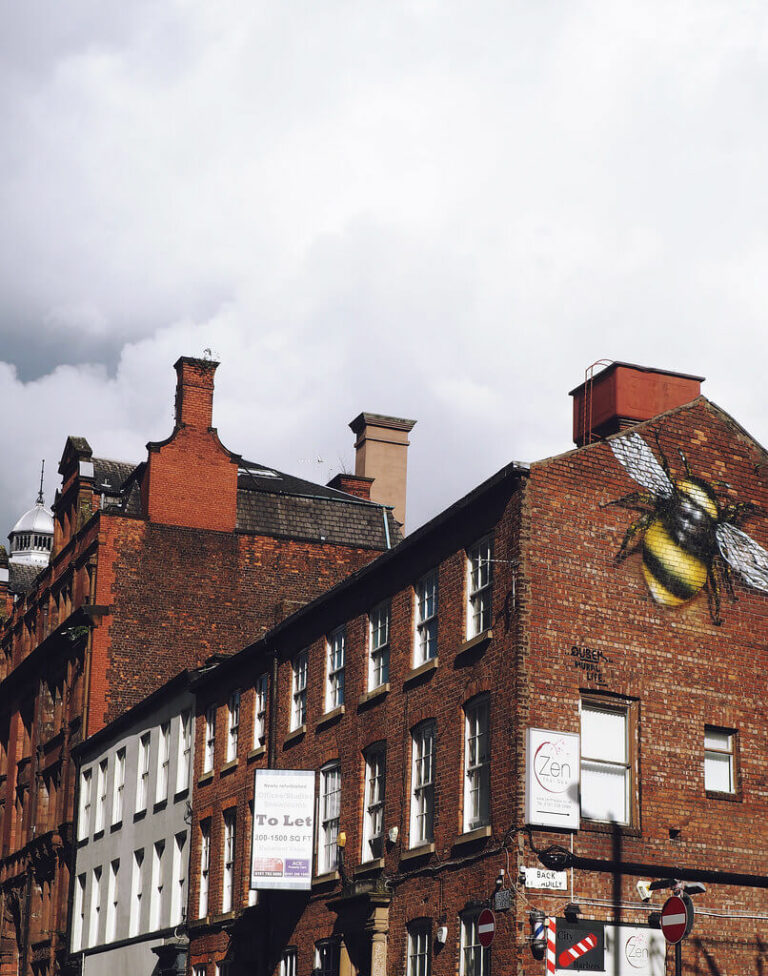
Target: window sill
pixel 332 716
pixel 475 643
pixel 423 669
pixel 159 805
pixel 369 867
pixel 98 834
pixel 140 814
pixel 228 767
pixel 421 851
pixel 323 879
pixel 256 753
pixel 471 836
pixel 295 734
pixel 374 694
pixel 180 793
pixel 722 795
pixel 205 778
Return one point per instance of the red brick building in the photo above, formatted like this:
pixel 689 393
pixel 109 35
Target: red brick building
pixel 155 567
pixel 409 688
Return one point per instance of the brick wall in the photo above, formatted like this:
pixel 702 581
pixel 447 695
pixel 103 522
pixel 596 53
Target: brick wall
pixel 557 587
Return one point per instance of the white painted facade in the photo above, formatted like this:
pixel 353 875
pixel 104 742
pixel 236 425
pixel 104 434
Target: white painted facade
pixel 132 829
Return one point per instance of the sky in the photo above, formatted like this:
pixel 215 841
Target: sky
pixel 442 211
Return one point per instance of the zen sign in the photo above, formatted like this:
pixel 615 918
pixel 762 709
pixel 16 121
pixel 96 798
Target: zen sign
pixel 283 829
pixel 552 767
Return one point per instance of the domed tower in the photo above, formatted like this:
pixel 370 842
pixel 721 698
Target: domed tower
pixel 31 537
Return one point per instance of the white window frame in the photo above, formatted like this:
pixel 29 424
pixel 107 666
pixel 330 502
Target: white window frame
pixel 78 916
pixel 198 970
pixel 330 815
pixel 112 900
pixel 228 857
pixel 158 886
pixel 288 961
pixel 260 711
pixel 474 959
pixel 137 891
pixel 178 901
pixel 327 957
pixel 233 725
pixel 205 867
pixel 419 961
pixel 95 911
pixel 477 763
pixel 102 771
pixel 423 749
pixel 299 670
pixel 142 781
pixel 373 802
pixel 118 787
pixel 378 642
pixel 719 753
pixel 84 816
pixel 210 738
pixel 609 762
pixel 336 652
pixel 184 758
pixel 164 763
pixel 479 586
pixel 427 602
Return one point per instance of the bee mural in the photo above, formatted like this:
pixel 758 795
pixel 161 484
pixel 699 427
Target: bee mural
pixel 687 531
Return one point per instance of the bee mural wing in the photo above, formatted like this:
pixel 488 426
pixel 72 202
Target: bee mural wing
pixel 743 554
pixel 631 451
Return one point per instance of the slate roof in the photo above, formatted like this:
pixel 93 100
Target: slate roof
pixel 270 502
pixel 21 577
pixel 109 476
pixel 273 503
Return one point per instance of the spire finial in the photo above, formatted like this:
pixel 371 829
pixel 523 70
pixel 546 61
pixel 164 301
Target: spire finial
pixel 40 499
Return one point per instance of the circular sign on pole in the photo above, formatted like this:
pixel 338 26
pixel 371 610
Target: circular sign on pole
pixel 674 919
pixel 486 927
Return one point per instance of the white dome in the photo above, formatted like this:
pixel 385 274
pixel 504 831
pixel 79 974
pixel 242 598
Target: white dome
pixel 37 519
pixel 32 536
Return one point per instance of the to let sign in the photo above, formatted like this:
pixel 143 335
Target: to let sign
pixel 553 761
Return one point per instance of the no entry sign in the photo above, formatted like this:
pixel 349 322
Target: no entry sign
pixel 674 919
pixel 486 927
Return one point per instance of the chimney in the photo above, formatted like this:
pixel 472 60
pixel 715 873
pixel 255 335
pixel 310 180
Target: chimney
pixel 352 485
pixel 622 395
pixel 194 392
pixel 381 453
pixel 190 478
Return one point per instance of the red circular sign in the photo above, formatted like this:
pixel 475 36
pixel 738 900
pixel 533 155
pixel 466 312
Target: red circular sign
pixel 486 927
pixel 674 919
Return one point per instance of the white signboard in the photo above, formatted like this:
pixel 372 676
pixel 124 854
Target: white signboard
pixel 548 880
pixel 552 779
pixel 631 951
pixel 283 829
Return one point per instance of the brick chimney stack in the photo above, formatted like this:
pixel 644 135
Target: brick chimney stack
pixel 191 478
pixel 194 392
pixel 381 453
pixel 622 395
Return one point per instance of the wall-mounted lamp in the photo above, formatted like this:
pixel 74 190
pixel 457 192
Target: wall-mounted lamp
pixel 572 911
pixel 341 840
pixel 442 934
pixel 393 834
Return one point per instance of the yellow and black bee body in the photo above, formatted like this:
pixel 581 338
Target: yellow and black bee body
pixel 690 539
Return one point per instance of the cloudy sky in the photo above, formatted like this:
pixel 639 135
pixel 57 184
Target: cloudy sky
pixel 440 210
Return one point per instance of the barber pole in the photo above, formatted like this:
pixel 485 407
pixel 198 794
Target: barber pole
pixel 551 924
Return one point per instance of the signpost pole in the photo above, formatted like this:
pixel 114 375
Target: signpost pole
pixel 679 959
